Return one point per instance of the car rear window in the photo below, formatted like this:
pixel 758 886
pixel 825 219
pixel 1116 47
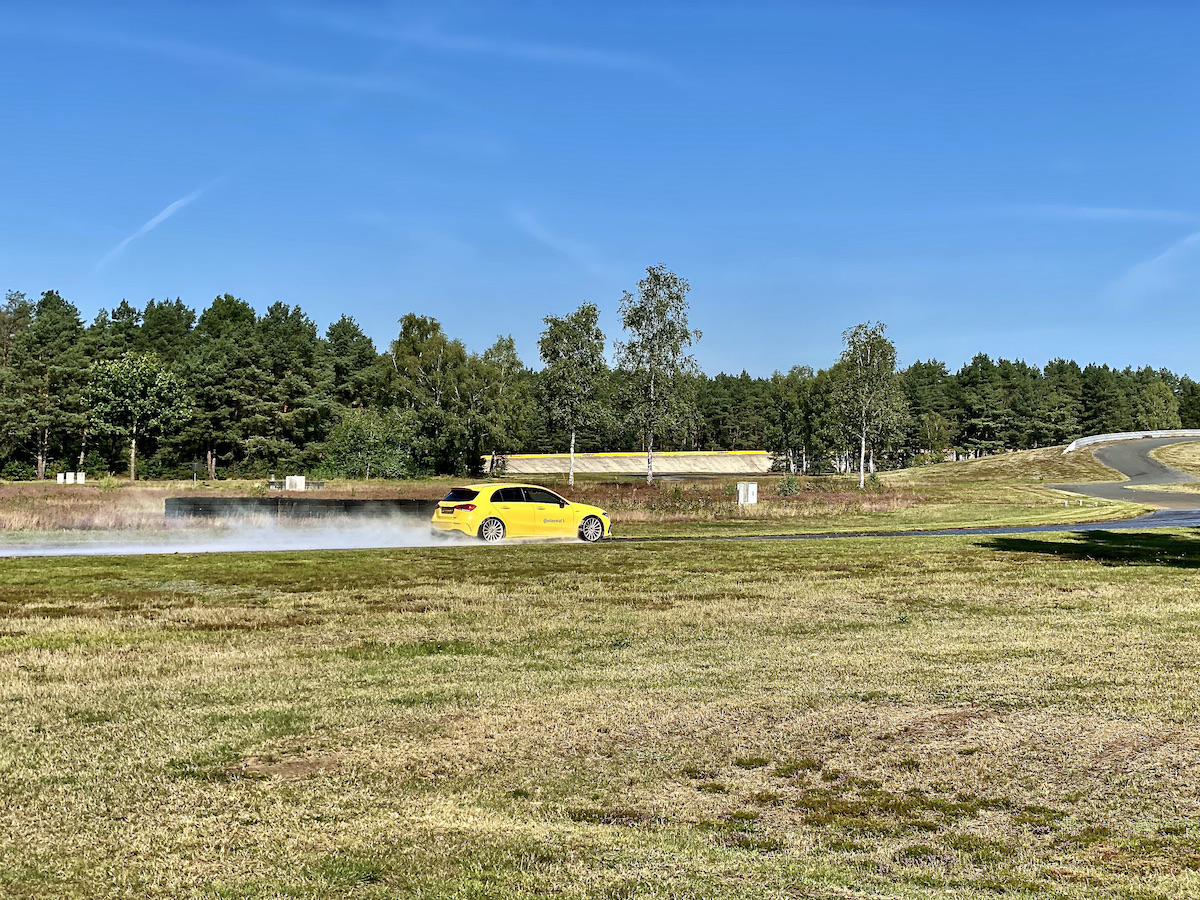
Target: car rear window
pixel 459 495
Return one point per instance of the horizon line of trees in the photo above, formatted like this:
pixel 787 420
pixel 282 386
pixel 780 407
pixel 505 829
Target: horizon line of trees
pixel 165 392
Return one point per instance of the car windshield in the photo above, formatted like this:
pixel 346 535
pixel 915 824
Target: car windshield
pixel 458 495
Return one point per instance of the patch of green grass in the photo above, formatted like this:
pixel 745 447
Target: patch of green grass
pixel 205 764
pixel 791 767
pixel 620 816
pixel 750 762
pixel 347 869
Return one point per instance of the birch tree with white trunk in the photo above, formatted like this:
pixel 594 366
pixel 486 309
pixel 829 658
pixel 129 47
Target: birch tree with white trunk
pixel 867 391
pixel 657 369
pixel 572 350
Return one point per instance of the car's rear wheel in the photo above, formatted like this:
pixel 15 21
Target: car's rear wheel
pixel 591 529
pixel 491 530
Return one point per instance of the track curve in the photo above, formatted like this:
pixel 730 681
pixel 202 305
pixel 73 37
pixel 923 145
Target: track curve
pixel 1133 460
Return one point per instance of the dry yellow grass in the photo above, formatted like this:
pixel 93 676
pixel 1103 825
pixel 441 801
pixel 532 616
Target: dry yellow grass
pixel 1045 465
pixel 854 718
pixel 1185 457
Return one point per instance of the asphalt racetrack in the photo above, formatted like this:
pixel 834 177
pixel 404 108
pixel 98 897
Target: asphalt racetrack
pixel 1133 460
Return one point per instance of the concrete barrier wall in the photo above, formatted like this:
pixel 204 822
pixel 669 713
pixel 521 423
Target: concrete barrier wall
pixel 733 462
pixel 1183 434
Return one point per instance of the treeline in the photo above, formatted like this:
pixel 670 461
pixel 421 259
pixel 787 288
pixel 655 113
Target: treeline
pixel 228 393
pixel 986 407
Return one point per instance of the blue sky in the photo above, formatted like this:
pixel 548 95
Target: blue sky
pixel 1018 178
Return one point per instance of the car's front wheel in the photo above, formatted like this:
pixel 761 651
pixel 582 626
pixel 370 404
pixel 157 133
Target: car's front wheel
pixel 491 530
pixel 591 529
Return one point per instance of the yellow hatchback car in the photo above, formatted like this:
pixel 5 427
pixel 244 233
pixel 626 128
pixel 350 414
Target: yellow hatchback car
pixel 493 512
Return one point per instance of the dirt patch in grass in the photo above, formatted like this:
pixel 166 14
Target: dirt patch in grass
pixel 289 768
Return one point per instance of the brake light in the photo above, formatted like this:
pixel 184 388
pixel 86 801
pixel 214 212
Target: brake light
pixel 466 507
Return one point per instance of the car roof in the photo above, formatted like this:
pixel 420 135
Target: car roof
pixel 501 484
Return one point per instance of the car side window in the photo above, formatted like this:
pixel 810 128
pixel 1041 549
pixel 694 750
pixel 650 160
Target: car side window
pixel 508 495
pixel 539 495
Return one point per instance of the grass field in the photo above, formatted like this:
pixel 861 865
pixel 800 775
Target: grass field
pixel 1008 716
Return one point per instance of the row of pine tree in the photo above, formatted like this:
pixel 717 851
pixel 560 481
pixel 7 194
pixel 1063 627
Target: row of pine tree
pixel 261 394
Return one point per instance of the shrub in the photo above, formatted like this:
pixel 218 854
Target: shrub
pixel 370 443
pixel 15 470
pixel 789 486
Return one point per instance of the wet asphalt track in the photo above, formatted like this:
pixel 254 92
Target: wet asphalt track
pixel 1131 458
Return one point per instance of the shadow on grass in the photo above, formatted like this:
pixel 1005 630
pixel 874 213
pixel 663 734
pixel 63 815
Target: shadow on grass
pixel 1111 548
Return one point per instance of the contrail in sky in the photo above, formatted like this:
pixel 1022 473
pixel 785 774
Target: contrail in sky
pixel 1170 275
pixel 170 210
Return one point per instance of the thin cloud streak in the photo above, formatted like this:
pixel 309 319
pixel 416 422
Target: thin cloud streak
pixel 1175 271
pixel 153 223
pixel 579 253
pixel 225 61
pixel 523 51
pixel 1106 213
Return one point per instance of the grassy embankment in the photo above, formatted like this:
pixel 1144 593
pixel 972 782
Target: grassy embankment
pixel 1011 716
pixel 1009 489
pixel 1186 458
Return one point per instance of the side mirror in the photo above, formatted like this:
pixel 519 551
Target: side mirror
pixel 562 504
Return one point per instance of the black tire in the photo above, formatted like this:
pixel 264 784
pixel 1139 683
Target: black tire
pixel 491 530
pixel 591 529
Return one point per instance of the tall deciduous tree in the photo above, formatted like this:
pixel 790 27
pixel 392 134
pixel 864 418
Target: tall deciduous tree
pixel 369 443
pixel 868 391
pixel 135 397
pixel 1157 407
pixel 654 358
pixel 428 375
pixel 789 418
pixel 15 316
pixel 499 400
pixel 572 350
